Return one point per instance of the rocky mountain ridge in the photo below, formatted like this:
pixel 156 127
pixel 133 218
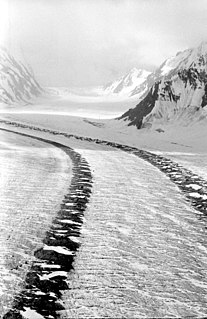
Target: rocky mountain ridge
pixel 179 88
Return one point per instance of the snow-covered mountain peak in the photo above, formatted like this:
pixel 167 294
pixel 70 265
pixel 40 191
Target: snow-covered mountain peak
pixel 173 62
pixel 193 57
pixel 177 88
pixel 134 71
pixel 138 72
pixel 127 83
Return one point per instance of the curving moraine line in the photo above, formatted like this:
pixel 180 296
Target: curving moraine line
pixel 41 295
pixel 193 186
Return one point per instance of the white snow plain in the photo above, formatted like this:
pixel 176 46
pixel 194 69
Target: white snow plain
pixel 122 185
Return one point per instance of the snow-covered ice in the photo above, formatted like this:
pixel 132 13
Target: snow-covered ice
pixel 124 262
pixel 28 313
pixel 33 180
pixel 59 250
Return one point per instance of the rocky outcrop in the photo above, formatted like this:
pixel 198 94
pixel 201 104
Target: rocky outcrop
pixel 136 115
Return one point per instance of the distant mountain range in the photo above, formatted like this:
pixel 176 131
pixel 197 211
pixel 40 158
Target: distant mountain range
pixel 132 83
pixel 127 84
pixel 17 82
pixel 177 91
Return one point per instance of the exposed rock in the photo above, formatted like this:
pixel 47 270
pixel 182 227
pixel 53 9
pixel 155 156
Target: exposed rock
pixel 179 91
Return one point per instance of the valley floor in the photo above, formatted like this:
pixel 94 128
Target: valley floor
pixel 187 144
pixel 143 251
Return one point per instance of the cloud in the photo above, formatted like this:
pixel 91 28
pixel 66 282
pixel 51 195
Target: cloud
pixel 87 42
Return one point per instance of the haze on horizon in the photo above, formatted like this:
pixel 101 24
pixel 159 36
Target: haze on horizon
pixel 89 42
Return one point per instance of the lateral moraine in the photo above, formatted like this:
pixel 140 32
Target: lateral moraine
pixel 41 295
pixel 193 186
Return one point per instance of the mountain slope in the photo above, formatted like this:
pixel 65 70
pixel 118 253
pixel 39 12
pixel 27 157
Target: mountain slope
pixel 127 83
pixel 179 91
pixel 17 83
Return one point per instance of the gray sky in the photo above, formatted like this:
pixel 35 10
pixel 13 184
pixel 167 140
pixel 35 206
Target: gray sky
pixel 90 42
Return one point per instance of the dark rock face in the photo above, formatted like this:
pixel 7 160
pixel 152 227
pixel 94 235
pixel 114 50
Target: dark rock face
pixel 136 115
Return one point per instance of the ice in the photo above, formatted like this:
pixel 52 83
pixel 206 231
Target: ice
pixel 68 221
pixel 194 186
pixel 53 275
pixel 29 313
pixel 59 250
pixel 34 179
pixel 16 82
pixel 50 266
pixel 125 85
pixel 61 231
pixel 74 239
pixel 195 195
pixel 39 293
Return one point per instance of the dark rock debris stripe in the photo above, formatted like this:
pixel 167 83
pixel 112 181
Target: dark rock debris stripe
pixel 48 274
pixel 193 186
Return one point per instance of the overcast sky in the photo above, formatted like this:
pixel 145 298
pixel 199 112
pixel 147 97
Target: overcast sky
pixel 90 42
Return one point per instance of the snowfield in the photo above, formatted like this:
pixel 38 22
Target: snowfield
pixel 143 251
pixel 124 266
pixel 187 143
pixel 33 178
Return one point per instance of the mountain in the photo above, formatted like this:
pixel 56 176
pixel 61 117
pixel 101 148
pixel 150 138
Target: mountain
pixel 125 85
pixel 17 82
pixel 178 91
pixel 119 89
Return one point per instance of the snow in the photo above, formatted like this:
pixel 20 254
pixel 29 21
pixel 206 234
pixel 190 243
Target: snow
pixel 40 293
pixel 194 186
pixel 119 90
pixel 174 62
pixel 184 59
pixel 53 275
pixel 181 82
pixel 127 84
pixel 185 144
pixel 29 313
pixel 50 265
pixel 16 82
pixel 33 179
pixel 58 249
pixel 195 195
pixel 67 221
pixel 139 247
pixel 74 239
